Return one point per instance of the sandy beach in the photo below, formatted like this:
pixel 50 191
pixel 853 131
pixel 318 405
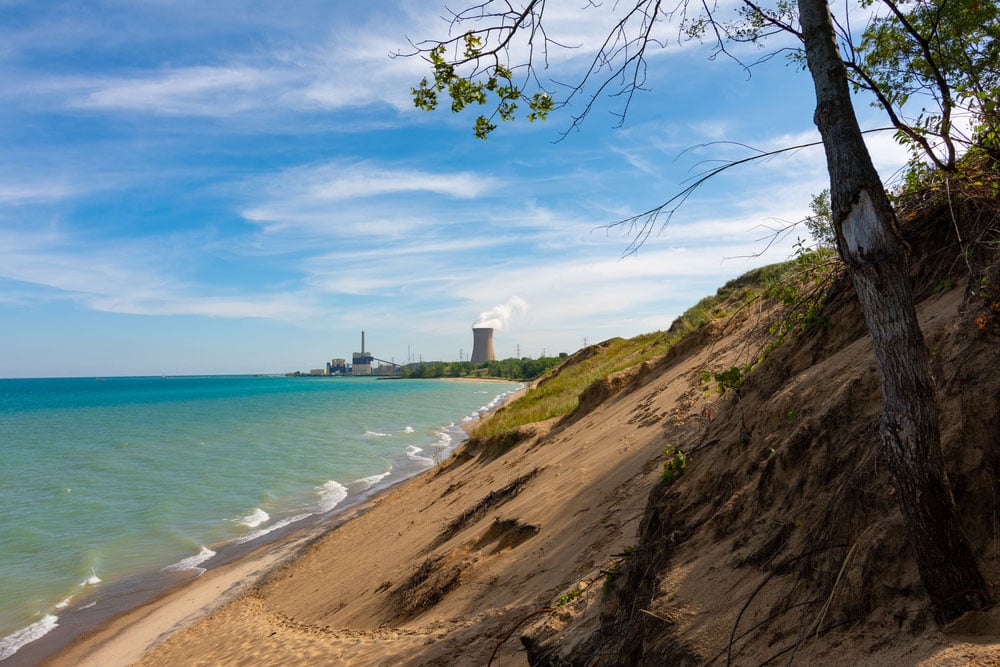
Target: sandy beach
pixel 125 637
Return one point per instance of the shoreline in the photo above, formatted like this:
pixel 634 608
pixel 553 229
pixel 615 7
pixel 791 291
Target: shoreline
pixel 123 637
pixel 136 614
pixel 102 617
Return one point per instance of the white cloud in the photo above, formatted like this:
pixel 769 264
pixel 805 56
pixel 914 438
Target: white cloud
pixel 284 307
pixel 282 73
pixel 888 155
pixel 135 277
pixel 407 251
pixel 72 271
pixel 318 198
pixel 203 90
pixel 21 193
pixel 339 182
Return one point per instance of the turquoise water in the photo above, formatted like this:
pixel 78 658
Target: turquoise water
pixel 105 479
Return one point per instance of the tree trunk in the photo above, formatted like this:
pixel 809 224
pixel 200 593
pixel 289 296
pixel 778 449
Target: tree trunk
pixel 869 243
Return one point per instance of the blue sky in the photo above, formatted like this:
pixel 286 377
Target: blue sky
pixel 232 187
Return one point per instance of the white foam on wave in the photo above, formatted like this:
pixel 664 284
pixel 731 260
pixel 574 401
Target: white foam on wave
pixel 444 440
pixel 12 643
pixel 492 404
pixel 191 562
pixel 331 494
pixel 64 603
pixel 257 534
pixel 497 400
pixel 376 434
pixel 444 443
pixel 254 518
pixel 408 429
pixel 413 453
pixel 92 580
pixel 368 482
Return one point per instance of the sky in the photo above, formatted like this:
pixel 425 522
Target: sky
pixel 244 187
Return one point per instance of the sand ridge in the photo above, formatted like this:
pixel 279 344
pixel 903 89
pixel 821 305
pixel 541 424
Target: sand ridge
pixel 446 568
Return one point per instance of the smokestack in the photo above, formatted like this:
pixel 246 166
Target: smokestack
pixel 362 342
pixel 482 345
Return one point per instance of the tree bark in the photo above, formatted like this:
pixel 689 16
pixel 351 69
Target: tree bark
pixel 870 245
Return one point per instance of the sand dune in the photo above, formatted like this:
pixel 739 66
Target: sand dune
pixel 454 566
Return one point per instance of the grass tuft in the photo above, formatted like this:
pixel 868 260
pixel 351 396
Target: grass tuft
pixel 558 391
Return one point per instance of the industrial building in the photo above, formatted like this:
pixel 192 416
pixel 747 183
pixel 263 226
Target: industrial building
pixel 364 363
pixel 361 362
pixel 482 345
pixel 338 367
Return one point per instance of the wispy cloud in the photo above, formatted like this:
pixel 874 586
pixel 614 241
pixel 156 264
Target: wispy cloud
pixel 279 73
pixel 285 307
pixel 54 261
pixel 210 91
pixel 33 192
pixel 138 277
pixel 318 198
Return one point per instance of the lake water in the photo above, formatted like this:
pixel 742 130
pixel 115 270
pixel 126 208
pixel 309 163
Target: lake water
pixel 103 480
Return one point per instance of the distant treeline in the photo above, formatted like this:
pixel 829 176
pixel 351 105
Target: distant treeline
pixel 511 369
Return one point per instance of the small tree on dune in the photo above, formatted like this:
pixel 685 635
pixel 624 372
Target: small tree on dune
pixel 820 223
pixel 936 48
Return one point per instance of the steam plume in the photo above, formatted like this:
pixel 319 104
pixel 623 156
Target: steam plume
pixel 498 317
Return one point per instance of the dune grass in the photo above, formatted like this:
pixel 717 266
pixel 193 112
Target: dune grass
pixel 557 391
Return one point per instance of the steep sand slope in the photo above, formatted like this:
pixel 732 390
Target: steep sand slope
pixel 783 543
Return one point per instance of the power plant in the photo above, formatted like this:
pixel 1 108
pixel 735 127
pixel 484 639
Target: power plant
pixel 366 363
pixel 482 345
pixel 361 362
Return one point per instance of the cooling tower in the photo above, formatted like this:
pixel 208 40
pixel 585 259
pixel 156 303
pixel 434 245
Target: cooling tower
pixel 482 345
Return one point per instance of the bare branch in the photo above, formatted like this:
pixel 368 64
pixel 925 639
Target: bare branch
pixel 641 226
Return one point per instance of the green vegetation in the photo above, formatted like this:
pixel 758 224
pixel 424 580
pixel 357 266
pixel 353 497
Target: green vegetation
pixel 675 464
pixel 727 380
pixel 524 368
pixel 510 369
pixel 558 391
pixel 611 574
pixel 767 281
pixel 464 91
pixel 568 597
pixel 944 52
pixel 800 285
pixel 820 223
